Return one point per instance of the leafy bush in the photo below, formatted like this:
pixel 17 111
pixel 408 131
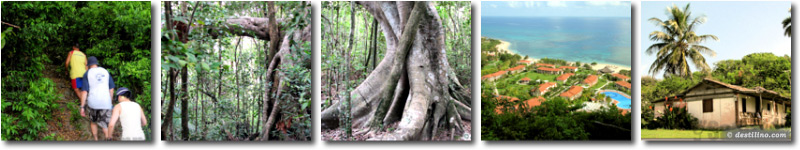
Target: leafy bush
pixel 675 118
pixel 24 117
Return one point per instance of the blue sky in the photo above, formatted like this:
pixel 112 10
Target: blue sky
pixel 556 8
pixel 742 27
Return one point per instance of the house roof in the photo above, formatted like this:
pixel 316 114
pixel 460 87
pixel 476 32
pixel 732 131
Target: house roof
pixel 606 70
pixel 624 84
pixel 545 65
pixel 544 86
pixel 567 67
pixel 548 69
pixel 503 97
pixel 754 91
pixel 564 76
pixel 516 68
pixel 590 79
pixel 620 76
pixel 525 61
pixel 574 90
pixel 525 79
pixel 536 101
pixel 499 73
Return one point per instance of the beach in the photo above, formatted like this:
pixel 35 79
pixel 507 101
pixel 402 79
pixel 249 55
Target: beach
pixel 505 47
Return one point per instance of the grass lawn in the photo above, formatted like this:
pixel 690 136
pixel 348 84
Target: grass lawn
pixel 681 134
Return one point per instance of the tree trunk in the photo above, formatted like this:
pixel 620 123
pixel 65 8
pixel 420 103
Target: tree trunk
pixel 165 126
pixel 417 53
pixel 185 103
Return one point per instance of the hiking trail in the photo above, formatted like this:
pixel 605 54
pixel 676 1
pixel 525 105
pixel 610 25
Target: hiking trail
pixel 67 125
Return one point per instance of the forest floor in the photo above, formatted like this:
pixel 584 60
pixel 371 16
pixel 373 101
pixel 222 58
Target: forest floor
pixel 443 134
pixel 67 124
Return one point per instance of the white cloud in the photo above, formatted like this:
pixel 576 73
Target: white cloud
pixel 530 4
pixel 513 4
pixel 556 4
pixel 606 3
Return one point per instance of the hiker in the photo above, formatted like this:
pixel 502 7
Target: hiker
pixel 130 116
pixel 98 86
pixel 76 64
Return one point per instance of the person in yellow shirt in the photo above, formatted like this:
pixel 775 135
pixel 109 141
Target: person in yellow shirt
pixel 76 64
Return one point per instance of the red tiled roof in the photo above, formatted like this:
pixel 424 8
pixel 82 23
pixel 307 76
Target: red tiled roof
pixel 516 68
pixel 545 65
pixel 564 77
pixel 567 67
pixel 548 69
pixel 590 79
pixel 508 98
pixel 624 84
pixel 526 61
pixel 499 73
pixel 574 90
pixel 536 101
pixel 525 79
pixel 544 86
pixel 620 76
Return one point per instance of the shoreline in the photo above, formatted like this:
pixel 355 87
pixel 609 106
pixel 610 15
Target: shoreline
pixel 505 46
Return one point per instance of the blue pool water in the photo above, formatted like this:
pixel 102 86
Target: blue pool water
pixel 624 102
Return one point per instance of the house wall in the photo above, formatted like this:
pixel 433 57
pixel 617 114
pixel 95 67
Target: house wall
pixel 722 116
pixel 658 107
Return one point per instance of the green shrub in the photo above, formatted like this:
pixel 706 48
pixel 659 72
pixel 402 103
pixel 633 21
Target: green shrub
pixel 25 117
pixel 675 118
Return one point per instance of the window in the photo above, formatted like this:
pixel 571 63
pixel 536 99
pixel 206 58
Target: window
pixel 744 105
pixel 769 106
pixel 708 105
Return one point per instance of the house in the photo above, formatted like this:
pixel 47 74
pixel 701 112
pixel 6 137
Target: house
pixel 573 93
pixel 526 62
pixel 499 109
pixel 536 101
pixel 590 80
pixel 524 80
pixel 563 78
pixel 621 77
pixel 516 69
pixel 493 76
pixel 569 68
pixel 545 65
pixel 623 84
pixel 548 70
pixel 605 70
pixel 719 105
pixel 543 88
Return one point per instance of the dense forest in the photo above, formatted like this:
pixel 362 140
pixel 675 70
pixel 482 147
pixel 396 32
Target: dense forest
pixel 396 70
pixel 37 100
pixel 236 71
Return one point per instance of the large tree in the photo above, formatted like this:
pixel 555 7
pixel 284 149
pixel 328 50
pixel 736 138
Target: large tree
pixel 412 84
pixel 678 43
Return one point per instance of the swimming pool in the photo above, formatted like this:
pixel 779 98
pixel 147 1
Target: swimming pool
pixel 624 102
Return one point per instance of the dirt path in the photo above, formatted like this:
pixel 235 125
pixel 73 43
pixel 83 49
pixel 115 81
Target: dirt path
pixel 67 124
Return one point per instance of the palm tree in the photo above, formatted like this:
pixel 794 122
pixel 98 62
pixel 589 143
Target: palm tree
pixel 787 25
pixel 677 43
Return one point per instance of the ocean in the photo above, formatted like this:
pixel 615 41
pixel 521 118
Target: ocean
pixel 585 39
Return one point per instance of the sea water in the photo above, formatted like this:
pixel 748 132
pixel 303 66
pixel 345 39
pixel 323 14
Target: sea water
pixel 584 39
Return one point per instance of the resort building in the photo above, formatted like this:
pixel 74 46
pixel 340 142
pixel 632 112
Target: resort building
pixel 590 80
pixel 548 70
pixel 543 88
pixel 524 80
pixel 499 109
pixel 563 78
pixel 545 65
pixel 569 68
pixel 621 77
pixel 624 84
pixel 719 105
pixel 573 93
pixel 516 69
pixel 605 70
pixel 526 62
pixel 536 101
pixel 493 76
